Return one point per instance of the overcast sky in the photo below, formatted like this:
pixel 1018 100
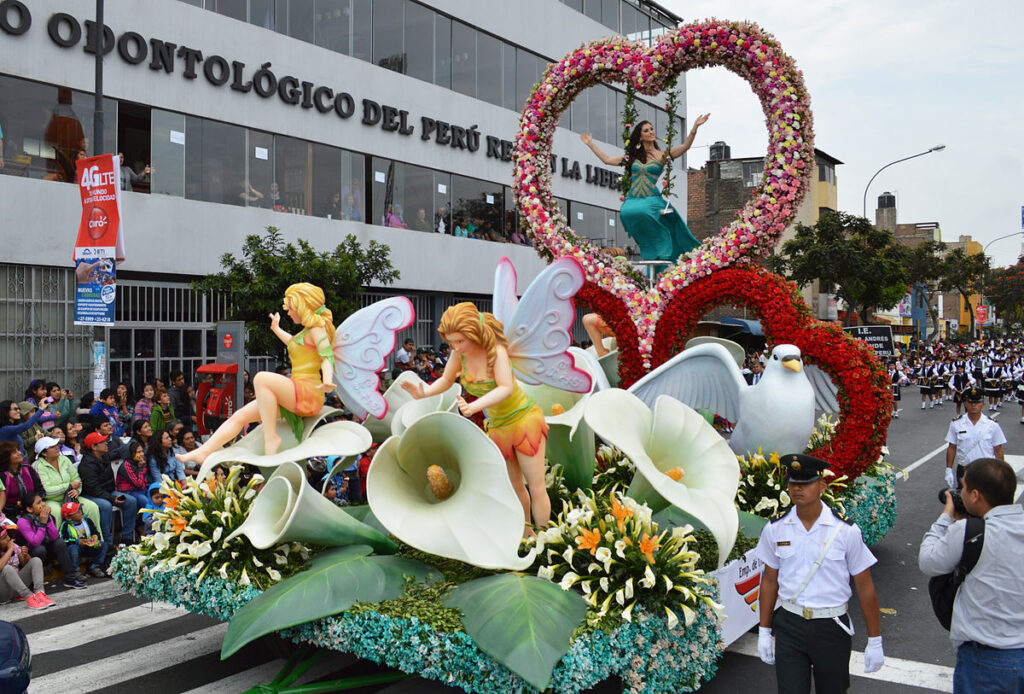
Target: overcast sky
pixel 890 79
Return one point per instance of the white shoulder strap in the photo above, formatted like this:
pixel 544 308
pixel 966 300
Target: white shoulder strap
pixel 821 557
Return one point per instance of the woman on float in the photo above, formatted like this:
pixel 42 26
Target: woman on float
pixel 301 395
pixel 655 225
pixel 513 420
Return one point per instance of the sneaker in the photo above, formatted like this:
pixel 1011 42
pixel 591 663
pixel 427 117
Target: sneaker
pixel 45 598
pixel 73 581
pixel 97 572
pixel 35 602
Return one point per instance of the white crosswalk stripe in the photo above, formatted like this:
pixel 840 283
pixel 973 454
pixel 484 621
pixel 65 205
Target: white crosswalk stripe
pixel 247 679
pixel 65 599
pixel 75 634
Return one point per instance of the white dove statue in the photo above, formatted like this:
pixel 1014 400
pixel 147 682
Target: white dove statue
pixel 776 414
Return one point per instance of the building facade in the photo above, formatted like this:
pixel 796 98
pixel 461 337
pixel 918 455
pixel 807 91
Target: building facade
pixel 391 120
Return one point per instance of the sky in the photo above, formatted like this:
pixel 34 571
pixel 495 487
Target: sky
pixel 887 80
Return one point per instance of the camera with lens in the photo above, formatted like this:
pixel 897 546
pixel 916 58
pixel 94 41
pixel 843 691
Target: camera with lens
pixel 958 501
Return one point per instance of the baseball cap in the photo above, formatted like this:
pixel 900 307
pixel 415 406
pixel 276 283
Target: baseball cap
pixel 94 438
pixel 69 507
pixel 46 442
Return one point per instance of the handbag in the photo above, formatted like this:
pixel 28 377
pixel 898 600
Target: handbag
pixel 942 589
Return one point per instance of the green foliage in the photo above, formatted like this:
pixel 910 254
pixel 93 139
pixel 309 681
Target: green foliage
pixel 1005 290
pixel 925 269
pixel 256 282
pixel 865 266
pixel 332 583
pixel 424 602
pixel 630 117
pixel 965 274
pixel 523 622
pixel 453 570
pixel 707 547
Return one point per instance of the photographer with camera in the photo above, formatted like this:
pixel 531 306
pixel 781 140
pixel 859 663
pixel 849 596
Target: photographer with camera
pixel 987 627
pixel 970 437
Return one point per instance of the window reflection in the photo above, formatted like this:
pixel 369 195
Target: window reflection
pixel 388 50
pixel 290 190
pixel 214 161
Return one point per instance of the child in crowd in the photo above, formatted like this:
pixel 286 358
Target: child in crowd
pixel 82 539
pixel 156 503
pixel 19 567
pixel 40 534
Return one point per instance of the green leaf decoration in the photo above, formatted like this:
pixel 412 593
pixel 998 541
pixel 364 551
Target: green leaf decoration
pixel 523 622
pixel 334 581
pixel 365 515
pixel 750 524
pixel 575 453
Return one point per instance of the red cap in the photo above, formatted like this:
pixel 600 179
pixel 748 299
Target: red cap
pixel 68 508
pixel 94 438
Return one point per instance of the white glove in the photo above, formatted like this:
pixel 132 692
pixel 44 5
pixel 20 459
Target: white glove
pixel 950 478
pixel 765 647
pixel 873 655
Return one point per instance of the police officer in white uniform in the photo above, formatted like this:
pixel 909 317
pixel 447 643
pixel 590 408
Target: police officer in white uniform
pixel 809 554
pixel 972 436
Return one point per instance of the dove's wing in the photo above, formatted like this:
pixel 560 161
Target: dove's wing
pixel 701 376
pixel 824 389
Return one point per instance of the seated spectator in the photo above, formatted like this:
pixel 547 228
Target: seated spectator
pixel 36 394
pixel 421 222
pixel 19 567
pixel 13 424
pixel 181 398
pixel 142 431
pixel 117 449
pixel 106 408
pixel 38 529
pixel 163 413
pixel 69 448
pixel 351 210
pixel 86 403
pixel 185 442
pixel 60 479
pixel 98 486
pixel 19 480
pixel 144 407
pixel 460 228
pixel 133 476
pixel 155 503
pixel 82 539
pixel 61 403
pixel 162 461
pixel 34 432
pixel 336 491
pixel 519 236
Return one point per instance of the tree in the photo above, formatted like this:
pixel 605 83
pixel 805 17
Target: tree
pixel 255 283
pixel 865 267
pixel 925 267
pixel 965 274
pixel 1004 289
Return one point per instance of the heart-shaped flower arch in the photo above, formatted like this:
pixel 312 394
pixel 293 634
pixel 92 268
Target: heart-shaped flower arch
pixel 743 48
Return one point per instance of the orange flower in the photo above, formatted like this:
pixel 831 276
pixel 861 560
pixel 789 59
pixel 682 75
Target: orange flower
pixel 621 513
pixel 589 539
pixel 178 524
pixel 647 546
pixel 171 501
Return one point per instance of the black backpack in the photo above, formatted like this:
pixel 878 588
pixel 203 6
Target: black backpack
pixel 942 589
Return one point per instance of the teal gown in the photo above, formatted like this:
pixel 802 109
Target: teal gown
pixel 659 236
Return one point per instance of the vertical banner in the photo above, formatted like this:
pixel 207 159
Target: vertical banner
pixel 739 583
pixel 100 242
pixel 99 367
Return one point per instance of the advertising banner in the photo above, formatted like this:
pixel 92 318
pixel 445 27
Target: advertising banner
pixel 100 242
pixel 739 582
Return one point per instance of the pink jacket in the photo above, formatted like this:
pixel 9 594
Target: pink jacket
pixel 34 533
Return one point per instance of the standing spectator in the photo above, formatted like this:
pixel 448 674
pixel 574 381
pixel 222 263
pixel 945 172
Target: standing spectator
pixel 162 413
pixel 441 223
pixel 133 476
pixel 98 486
pixel 443 353
pixel 125 405
pixel 19 567
pixel 61 403
pixel 144 407
pixel 60 480
pixel 421 223
pixel 987 629
pixel 403 356
pixel 351 210
pixel 19 480
pixel 12 425
pixel 180 400
pixel 106 408
pixel 128 176
pixel 162 460
pixel 38 529
pixel 86 403
pixel 82 539
pixel 971 436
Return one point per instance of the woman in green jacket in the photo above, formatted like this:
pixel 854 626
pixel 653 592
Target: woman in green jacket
pixel 60 479
pixel 162 413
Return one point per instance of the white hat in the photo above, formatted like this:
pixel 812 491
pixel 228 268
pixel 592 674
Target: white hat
pixel 46 442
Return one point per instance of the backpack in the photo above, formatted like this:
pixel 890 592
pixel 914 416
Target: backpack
pixel 942 589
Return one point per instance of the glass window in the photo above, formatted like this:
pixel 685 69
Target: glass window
pixel 214 161
pixel 168 147
pixel 261 170
pixel 490 69
pixel 592 8
pixel 600 112
pixel 419 42
pixel 442 202
pixel 442 51
pixel 574 4
pixel 418 204
pixel 480 204
pixel 261 13
pixel 236 9
pixel 333 25
pixel 353 192
pixel 292 161
pixel 529 68
pixel 295 18
pixel 388 187
pixel 580 111
pixel 362 28
pixel 388 18
pixel 464 59
pixel 326 181
pixel 508 77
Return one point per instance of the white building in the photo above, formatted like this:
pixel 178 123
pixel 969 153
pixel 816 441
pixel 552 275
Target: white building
pixel 314 116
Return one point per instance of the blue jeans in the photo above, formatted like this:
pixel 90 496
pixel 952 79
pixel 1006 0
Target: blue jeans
pixel 141 499
pixel 98 554
pixel 985 671
pixel 129 511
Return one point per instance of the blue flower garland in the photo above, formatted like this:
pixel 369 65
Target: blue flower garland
pixel 645 653
pixel 871 504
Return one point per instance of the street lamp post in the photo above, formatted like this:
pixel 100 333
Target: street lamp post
pixel 936 148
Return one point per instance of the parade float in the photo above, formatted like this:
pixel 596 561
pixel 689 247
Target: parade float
pixel 644 570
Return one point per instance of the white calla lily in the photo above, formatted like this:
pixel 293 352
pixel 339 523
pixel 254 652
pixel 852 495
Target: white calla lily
pixel 482 520
pixel 680 459
pixel 398 399
pixel 414 409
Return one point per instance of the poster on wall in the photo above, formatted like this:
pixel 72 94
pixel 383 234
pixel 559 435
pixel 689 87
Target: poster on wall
pixel 99 245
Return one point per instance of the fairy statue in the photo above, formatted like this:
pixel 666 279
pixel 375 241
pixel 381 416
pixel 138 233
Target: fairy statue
pixel 527 339
pixel 323 359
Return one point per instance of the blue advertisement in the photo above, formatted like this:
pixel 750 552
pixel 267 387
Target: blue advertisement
pixel 95 289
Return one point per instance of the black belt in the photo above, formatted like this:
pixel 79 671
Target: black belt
pixel 980 645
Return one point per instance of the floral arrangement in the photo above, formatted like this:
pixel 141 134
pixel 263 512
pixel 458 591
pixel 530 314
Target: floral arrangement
pixel 745 49
pixel 607 547
pixel 629 117
pixel 671 104
pixel 192 523
pixel 762 488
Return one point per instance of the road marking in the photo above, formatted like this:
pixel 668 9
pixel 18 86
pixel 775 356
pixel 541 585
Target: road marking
pixel 74 634
pixel 937 678
pixel 109 671
pixel 265 673
pixel 71 598
pixel 924 459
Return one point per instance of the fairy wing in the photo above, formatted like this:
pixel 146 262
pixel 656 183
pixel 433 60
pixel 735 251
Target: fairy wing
pixel 537 326
pixel 361 344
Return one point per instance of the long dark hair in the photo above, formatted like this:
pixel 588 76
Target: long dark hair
pixel 7 449
pixel 30 391
pixel 635 147
pixel 155 449
pixel 133 446
pixel 5 412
